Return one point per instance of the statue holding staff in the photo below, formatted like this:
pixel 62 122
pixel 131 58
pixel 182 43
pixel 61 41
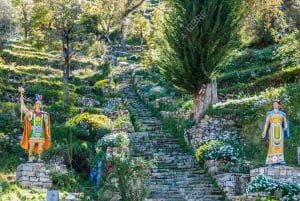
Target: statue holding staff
pixel 36 134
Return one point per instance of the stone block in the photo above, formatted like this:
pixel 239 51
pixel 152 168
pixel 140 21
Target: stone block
pixel 229 184
pixel 261 170
pixel 52 196
pixel 31 173
pixel 33 179
pixel 23 178
pixel 282 172
pixel 25 167
pixel 44 179
pixel 270 172
pixel 24 183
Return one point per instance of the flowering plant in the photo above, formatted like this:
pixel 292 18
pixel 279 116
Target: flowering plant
pixel 216 150
pixel 113 140
pixel 261 183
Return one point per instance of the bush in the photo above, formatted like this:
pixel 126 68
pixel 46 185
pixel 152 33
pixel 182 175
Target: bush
pixel 157 92
pixel 216 150
pixel 64 180
pixel 263 184
pixel 94 123
pixel 113 140
pixel 132 176
pixel 4 185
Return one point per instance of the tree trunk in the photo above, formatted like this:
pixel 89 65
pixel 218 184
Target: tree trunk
pixel 122 34
pixel 26 32
pixel 142 38
pixel 66 72
pixel 65 89
pixel 206 97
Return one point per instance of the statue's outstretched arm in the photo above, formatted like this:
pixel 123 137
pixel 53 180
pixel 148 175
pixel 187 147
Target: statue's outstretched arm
pixel 24 109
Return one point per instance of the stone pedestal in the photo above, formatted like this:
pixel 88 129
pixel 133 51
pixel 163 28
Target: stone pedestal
pixel 33 175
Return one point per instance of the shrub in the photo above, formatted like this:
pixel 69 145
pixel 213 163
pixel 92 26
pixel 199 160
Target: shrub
pixel 4 185
pixel 157 92
pixel 113 140
pixel 94 123
pixel 64 180
pixel 263 184
pixel 216 150
pixel 205 148
pixel 132 176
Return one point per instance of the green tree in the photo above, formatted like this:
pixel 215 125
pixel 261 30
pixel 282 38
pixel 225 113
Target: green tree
pixel 7 24
pixel 266 21
pixel 59 20
pixel 198 35
pixel 101 17
pixel 141 27
pixel 25 17
pixel 126 7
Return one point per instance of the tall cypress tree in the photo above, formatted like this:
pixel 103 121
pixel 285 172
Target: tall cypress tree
pixel 198 35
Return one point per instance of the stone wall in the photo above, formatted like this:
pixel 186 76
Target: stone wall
pixel 31 175
pixel 290 174
pixel 209 128
pixel 233 183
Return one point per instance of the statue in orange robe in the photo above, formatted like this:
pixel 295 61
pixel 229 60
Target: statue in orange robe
pixel 36 133
pixel 275 130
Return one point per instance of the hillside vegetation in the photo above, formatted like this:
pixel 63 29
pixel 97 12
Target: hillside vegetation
pixel 78 74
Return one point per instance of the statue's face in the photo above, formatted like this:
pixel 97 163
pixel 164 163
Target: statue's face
pixel 38 105
pixel 276 105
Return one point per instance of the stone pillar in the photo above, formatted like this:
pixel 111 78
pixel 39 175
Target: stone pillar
pixel 35 175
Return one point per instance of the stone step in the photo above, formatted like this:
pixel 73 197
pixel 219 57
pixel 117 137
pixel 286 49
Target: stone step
pixel 175 176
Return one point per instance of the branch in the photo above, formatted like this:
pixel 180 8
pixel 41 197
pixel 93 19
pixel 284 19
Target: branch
pixel 129 10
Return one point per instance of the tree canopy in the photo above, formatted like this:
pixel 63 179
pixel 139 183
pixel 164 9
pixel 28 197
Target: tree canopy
pixel 198 35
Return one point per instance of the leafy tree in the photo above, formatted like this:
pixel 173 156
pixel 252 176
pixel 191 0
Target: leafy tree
pixel 126 7
pixel 26 9
pixel 7 24
pixel 101 17
pixel 198 35
pixel 266 20
pixel 60 21
pixel 141 26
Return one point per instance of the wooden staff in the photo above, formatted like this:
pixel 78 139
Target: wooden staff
pixel 21 91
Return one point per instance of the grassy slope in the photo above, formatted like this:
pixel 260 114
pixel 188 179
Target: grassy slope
pixel 252 78
pixel 38 72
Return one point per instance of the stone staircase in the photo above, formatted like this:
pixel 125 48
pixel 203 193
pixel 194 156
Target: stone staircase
pixel 176 175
